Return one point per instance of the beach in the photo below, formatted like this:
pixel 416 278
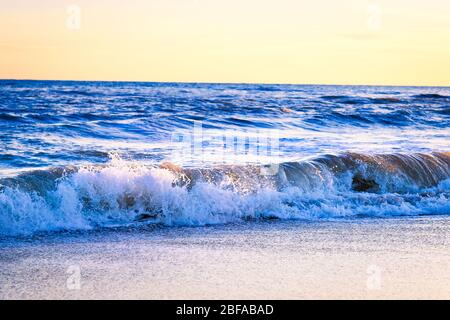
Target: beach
pixel 225 150
pixel 393 258
pixel 134 190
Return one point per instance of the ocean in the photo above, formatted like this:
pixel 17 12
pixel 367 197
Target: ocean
pixel 94 155
pixel 125 190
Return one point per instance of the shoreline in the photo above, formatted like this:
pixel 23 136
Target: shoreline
pixel 395 258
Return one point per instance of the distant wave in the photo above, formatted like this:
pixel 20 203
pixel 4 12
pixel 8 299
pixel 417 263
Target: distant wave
pixel 430 96
pixel 123 193
pixel 361 100
pixel 9 117
pixel 344 99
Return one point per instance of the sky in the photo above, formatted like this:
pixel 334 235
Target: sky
pixel 384 42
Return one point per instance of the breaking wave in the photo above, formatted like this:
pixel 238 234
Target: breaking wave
pixel 124 192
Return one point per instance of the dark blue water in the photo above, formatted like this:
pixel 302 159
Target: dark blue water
pixel 64 123
pixel 98 146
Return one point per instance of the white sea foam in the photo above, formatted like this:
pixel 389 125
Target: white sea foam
pixel 127 192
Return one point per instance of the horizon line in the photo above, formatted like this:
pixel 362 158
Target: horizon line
pixel 230 83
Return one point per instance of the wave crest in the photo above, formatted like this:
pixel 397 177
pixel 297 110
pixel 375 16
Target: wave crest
pixel 122 192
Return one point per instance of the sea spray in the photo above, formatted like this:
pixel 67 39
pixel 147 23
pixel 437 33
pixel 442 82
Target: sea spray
pixel 128 192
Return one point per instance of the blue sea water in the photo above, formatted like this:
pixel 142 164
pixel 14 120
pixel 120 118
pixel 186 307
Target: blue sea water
pixel 82 155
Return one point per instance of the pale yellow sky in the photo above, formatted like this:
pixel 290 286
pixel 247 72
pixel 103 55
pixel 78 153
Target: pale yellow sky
pixel 395 42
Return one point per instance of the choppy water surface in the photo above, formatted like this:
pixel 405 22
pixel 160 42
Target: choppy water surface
pixel 81 155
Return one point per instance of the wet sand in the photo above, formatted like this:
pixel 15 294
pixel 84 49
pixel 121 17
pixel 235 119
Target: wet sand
pixel 396 258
